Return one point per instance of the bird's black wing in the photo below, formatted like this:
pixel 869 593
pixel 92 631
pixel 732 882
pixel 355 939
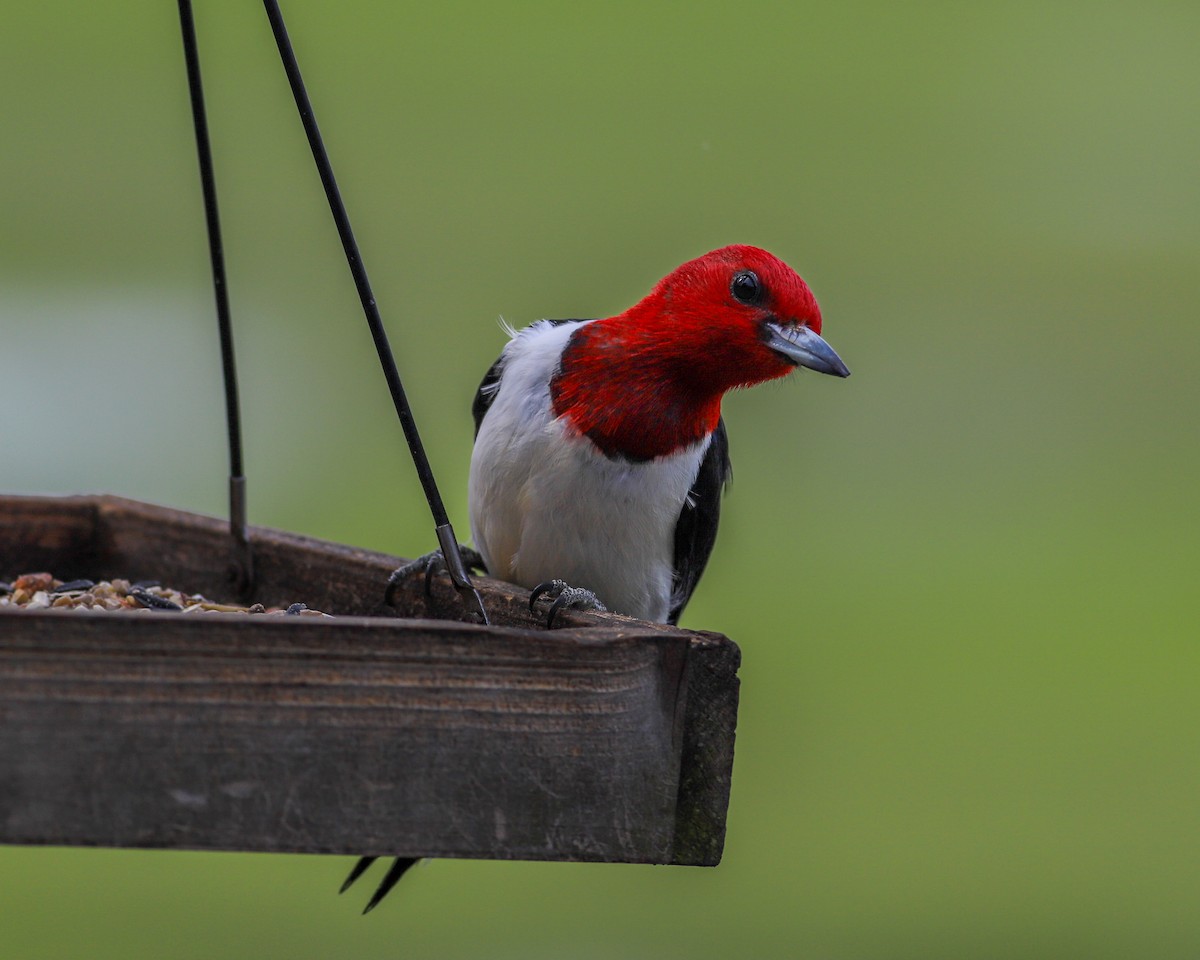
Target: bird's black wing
pixel 486 394
pixel 491 384
pixel 696 531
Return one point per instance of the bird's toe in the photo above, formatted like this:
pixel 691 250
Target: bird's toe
pixel 430 564
pixel 563 596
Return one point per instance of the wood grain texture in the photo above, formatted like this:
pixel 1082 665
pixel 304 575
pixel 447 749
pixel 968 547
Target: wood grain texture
pixel 609 740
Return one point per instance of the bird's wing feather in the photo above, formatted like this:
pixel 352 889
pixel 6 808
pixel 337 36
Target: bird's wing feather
pixel 486 394
pixel 696 531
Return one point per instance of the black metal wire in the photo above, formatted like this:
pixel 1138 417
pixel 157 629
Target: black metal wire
pixel 243 557
pixel 354 259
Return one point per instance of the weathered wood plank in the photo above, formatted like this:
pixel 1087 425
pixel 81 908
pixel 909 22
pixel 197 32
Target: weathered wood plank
pixel 609 740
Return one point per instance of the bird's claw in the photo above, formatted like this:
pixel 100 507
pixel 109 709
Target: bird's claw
pixel 430 564
pixel 564 595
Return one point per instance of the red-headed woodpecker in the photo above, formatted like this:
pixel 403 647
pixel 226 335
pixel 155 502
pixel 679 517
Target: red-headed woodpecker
pixel 600 453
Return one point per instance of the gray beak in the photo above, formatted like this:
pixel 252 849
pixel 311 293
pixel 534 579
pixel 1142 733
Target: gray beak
pixel 805 349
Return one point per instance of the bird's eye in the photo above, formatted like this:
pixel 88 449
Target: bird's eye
pixel 747 288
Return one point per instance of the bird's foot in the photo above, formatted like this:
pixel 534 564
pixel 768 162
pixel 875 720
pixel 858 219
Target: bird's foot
pixel 564 595
pixel 398 868
pixel 431 564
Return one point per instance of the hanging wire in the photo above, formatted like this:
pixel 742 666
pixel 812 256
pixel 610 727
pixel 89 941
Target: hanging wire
pixel 445 533
pixel 242 571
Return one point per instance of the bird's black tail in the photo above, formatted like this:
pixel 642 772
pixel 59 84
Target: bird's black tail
pixel 398 868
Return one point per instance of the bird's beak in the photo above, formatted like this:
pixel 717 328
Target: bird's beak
pixel 801 346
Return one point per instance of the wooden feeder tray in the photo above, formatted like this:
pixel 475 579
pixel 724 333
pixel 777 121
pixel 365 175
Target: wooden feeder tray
pixel 610 739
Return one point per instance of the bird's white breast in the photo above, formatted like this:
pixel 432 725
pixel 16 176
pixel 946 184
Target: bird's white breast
pixel 545 503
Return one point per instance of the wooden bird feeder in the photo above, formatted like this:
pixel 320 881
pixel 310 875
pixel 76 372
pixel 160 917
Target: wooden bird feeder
pixel 409 732
pixel 608 740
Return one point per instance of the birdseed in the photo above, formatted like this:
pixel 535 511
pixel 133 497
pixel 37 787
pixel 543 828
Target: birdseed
pixel 41 591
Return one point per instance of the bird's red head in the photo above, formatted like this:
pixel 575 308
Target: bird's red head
pixel 733 313
pixel 651 379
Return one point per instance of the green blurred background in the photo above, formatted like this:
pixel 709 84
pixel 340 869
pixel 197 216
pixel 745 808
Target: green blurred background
pixel 964 581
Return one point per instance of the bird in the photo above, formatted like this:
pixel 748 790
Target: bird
pixel 601 454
